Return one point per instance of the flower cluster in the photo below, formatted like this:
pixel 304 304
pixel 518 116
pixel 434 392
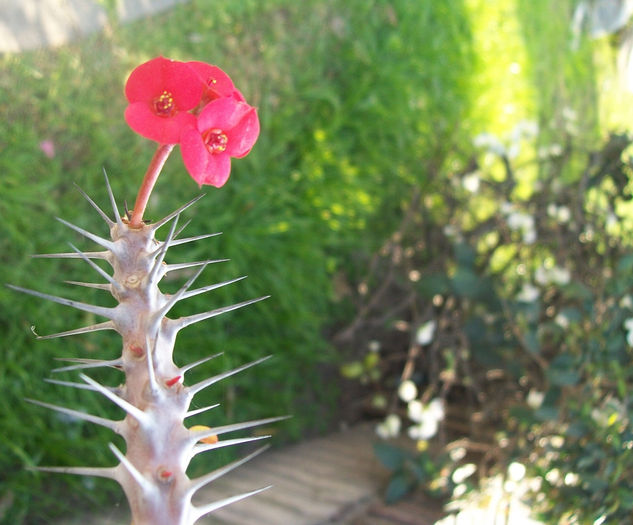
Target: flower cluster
pixel 195 105
pixel 426 417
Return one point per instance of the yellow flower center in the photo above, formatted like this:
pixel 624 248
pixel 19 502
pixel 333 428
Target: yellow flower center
pixel 164 104
pixel 215 140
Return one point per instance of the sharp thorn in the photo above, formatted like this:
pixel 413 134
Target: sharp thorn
pixel 203 510
pixel 108 423
pixel 115 209
pixel 95 238
pixel 197 483
pixel 233 427
pixel 191 293
pixel 107 219
pixel 181 266
pixel 188 367
pixel 158 262
pixel 69 255
pixel 99 270
pixel 102 472
pixel 194 389
pixel 197 411
pixel 91 308
pixel 108 325
pixel 136 413
pixel 178 295
pixel 98 286
pixel 81 386
pixel 186 240
pixel 200 448
pixel 182 322
pixel 144 483
pixel 175 213
pixel 87 363
pixel 181 229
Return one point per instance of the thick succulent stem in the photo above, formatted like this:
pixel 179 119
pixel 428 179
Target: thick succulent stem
pixel 159 446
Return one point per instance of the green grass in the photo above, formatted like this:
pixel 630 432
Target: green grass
pixel 359 101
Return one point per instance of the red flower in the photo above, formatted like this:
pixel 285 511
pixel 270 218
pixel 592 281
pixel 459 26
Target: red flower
pixel 225 128
pixel 160 93
pixel 217 83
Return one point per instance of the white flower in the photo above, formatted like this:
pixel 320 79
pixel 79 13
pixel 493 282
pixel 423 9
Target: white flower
pixel 557 441
pixel 553 275
pixel 535 399
pixel 571 479
pixel 552 209
pixel 553 476
pixel 563 215
pixel 374 346
pixel 436 408
pixel 627 302
pixel 459 490
pixel 424 430
pixel 520 221
pixel 427 418
pixel 390 427
pixel 560 214
pixel 541 276
pixel 415 410
pixel 457 453
pixel 523 223
pixel 560 275
pixel 471 182
pixel 529 236
pixel 516 471
pixel 464 472
pixel 407 391
pixel 425 333
pixel 528 294
pixel 562 320
pixel 451 231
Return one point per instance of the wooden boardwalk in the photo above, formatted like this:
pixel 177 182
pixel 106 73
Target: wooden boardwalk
pixel 334 479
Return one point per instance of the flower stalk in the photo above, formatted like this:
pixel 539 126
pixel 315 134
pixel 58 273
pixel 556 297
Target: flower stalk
pixel 151 176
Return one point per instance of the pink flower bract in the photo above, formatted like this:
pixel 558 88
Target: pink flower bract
pixel 217 83
pixel 160 93
pixel 225 128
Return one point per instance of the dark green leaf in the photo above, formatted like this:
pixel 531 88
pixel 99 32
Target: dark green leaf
pixel 391 456
pixel 397 489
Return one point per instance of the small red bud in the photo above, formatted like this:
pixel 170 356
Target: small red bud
pixel 137 350
pixel 173 381
pixel 165 475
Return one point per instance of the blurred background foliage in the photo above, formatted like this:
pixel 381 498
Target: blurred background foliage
pixel 418 161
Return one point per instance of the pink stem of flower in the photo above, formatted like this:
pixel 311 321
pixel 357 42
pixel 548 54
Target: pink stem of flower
pixel 152 173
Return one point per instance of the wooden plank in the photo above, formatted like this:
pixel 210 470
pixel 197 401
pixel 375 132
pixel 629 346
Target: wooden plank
pixel 334 479
pixel 313 481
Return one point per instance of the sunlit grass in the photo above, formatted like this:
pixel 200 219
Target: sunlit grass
pixel 502 92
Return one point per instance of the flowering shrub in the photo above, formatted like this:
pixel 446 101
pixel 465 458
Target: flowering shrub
pixel 508 303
